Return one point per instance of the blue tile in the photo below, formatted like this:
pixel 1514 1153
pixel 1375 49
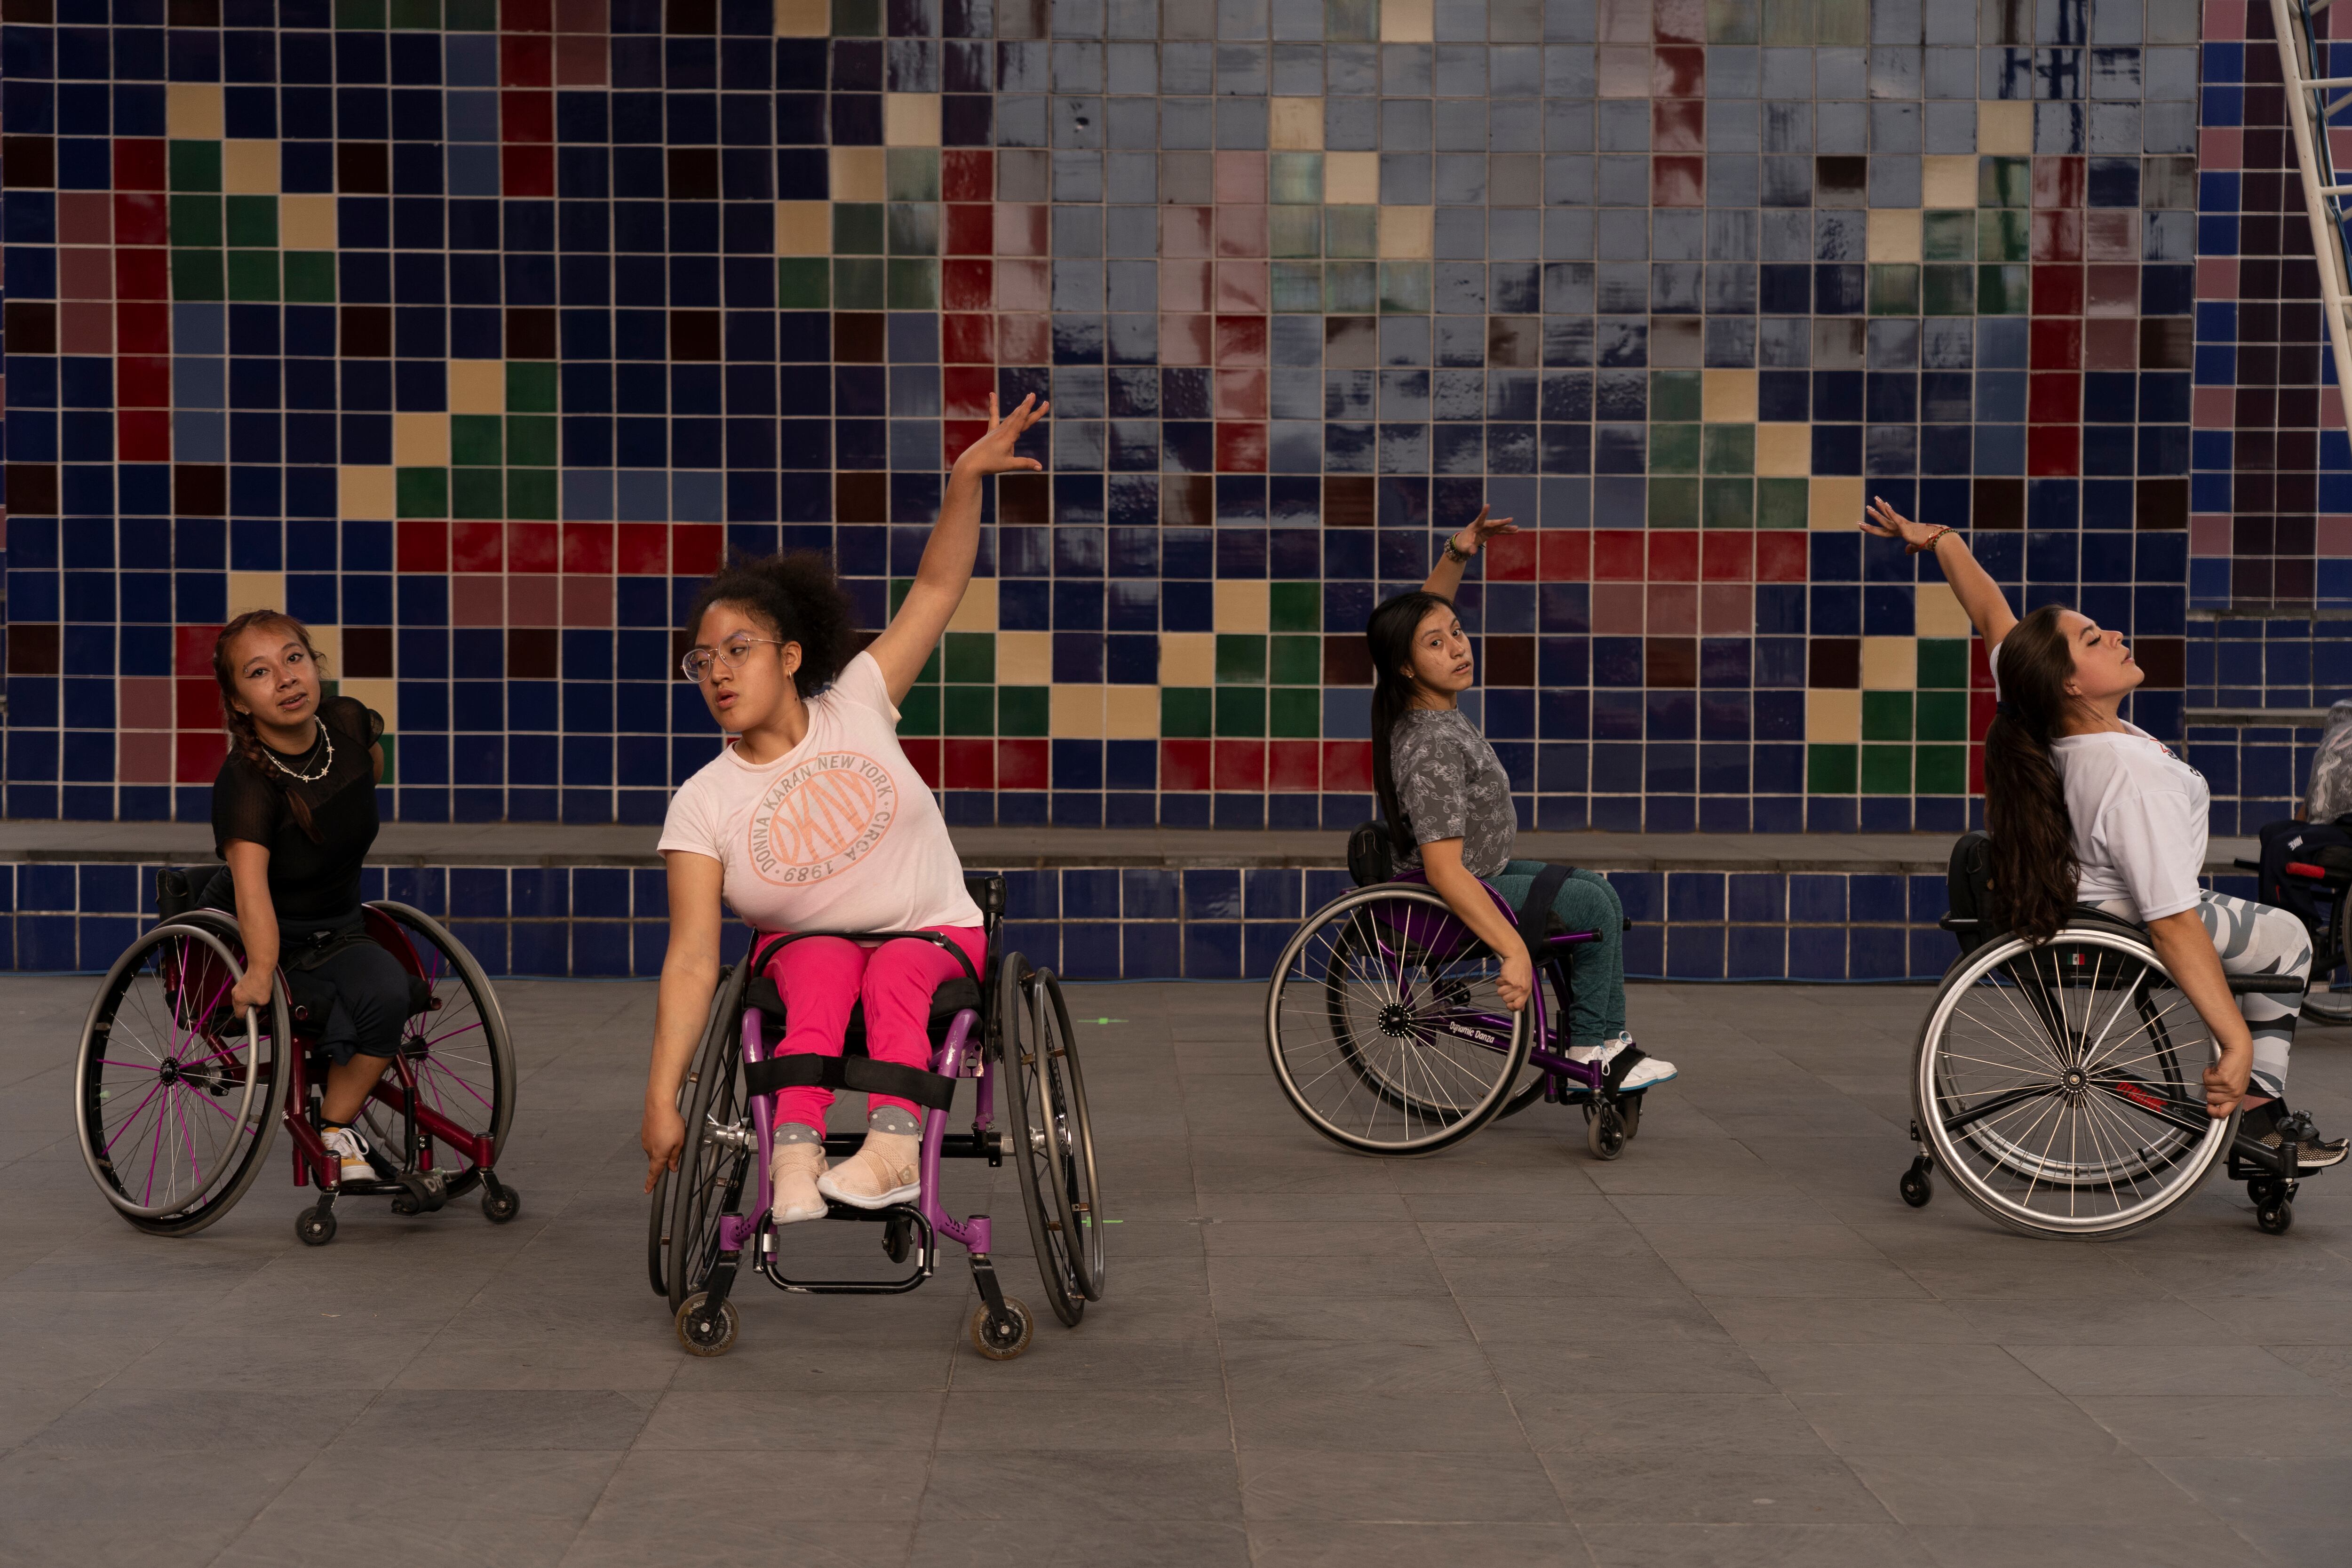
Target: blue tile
pixel 1272 894
pixel 1814 898
pixel 486 941
pixel 1757 953
pixel 1213 949
pixel 1090 895
pixel 1694 952
pixel 539 947
pixel 1877 897
pixel 1817 952
pixel 46 943
pixel 1760 895
pixel 1151 950
pixel 1694 896
pixel 1213 896
pixel 600 949
pixel 478 893
pixel 1149 894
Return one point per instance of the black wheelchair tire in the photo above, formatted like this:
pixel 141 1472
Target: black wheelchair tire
pixel 725 1002
pixel 1021 999
pixel 711 1175
pixel 420 928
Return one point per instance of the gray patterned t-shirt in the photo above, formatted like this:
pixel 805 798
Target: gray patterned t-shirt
pixel 1452 785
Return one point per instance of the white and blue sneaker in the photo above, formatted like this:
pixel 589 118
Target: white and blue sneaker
pixel 351 1149
pixel 1626 1064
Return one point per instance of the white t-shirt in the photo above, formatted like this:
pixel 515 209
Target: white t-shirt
pixel 2139 815
pixel 838 833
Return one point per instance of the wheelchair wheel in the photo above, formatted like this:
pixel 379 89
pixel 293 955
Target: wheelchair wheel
pixel 175 1097
pixel 726 1004
pixel 2331 951
pixel 457 1045
pixel 2059 1087
pixel 1051 1142
pixel 1385 1027
pixel 716 1161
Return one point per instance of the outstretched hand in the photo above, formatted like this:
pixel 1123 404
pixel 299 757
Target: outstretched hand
pixel 992 453
pixel 1884 520
pixel 1480 529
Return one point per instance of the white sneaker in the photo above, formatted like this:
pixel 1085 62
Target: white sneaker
pixel 1647 1072
pixel 883 1170
pixel 793 1183
pixel 347 1145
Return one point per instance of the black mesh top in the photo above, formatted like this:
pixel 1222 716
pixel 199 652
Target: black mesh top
pixel 309 879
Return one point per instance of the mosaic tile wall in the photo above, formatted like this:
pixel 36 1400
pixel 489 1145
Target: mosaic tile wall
pixel 472 329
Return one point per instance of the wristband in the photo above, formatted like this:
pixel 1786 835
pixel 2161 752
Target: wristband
pixel 1454 552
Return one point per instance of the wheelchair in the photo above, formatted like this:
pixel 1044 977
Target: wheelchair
pixel 176 1098
pixel 2325 874
pixel 2060 1085
pixel 1388 1034
pixel 1008 1026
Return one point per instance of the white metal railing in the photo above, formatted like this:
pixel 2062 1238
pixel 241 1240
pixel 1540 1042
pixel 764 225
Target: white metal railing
pixel 2309 107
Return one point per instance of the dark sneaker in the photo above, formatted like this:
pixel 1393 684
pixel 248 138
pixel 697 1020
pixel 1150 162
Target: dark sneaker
pixel 2312 1153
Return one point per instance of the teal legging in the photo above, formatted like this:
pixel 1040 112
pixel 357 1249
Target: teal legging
pixel 1596 970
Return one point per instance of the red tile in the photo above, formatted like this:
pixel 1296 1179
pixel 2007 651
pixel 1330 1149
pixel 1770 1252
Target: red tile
pixel 1673 556
pixel 2054 397
pixel 1240 231
pixel 1347 766
pixel 1678 125
pixel 87 328
pixel 967 285
pixel 1240 395
pixel 1020 230
pixel 527 17
pixel 967 338
pixel 1673 609
pixel 2053 451
pixel 196 700
pixel 2113 236
pixel 143 435
pixel 1976 760
pixel 478 547
pixel 2057 288
pixel 1679 21
pixel 527 171
pixel 971 229
pixel 1185 764
pixel 1241 178
pixel 2058 235
pixel 85 218
pixel 1726 609
pixel 526 61
pixel 644 550
pixel 2216 277
pixel 423 545
pixel 141 218
pixel 1241 339
pixel 1513 558
pixel 1727 557
pixel 1979 677
pixel 1678 71
pixel 2114 290
pixel 1186 340
pixel 1241 764
pixel 582 60
pixel 1293 766
pixel 85 274
pixel 2111 344
pixel 1024 285
pixel 955 435
pixel 1781 555
pixel 1679 182
pixel 1241 447
pixel 1617 555
pixel 143 330
pixel 142 274
pixel 967 175
pixel 587 547
pixel 1625 21
pixel 924 754
pixel 141 164
pixel 2056 343
pixel 1618 612
pixel 191 652
pixel 1024 340
pixel 1024 764
pixel 1183 231
pixel 967 388
pixel 1566 555
pixel 1184 285
pixel 143 380
pixel 971 764
pixel 2059 181
pixel 581 17
pixel 199 756
pixel 694 548
pixel 526 117
pixel 143 758
pixel 1625 72
pixel 1243 286
pixel 531 546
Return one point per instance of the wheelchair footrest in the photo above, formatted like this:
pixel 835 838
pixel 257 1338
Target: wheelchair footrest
pixel 908 1234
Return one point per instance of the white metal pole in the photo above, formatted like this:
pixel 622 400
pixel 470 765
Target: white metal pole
pixel 2327 238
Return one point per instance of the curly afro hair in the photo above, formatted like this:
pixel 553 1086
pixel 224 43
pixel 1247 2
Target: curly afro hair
pixel 799 598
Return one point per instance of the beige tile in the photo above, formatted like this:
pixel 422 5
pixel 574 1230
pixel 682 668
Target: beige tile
pixel 803 228
pixel 1890 664
pixel 1727 397
pixel 1947 181
pixel 1186 659
pixel 1939 612
pixel 192 111
pixel 1294 124
pixel 1783 451
pixel 249 168
pixel 255 591
pixel 977 610
pixel 306 223
pixel 383 696
pixel 1243 605
pixel 860 175
pixel 1834 716
pixel 2004 129
pixel 329 641
pixel 364 491
pixel 803 18
pixel 1131 712
pixel 1024 659
pixel 910 119
pixel 1407 22
pixel 1075 712
pixel 420 440
pixel 1352 179
pixel 1408 234
pixel 1835 502
pixel 477 386
pixel 1894 233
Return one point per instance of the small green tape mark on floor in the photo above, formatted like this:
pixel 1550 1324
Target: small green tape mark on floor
pixel 1110 1020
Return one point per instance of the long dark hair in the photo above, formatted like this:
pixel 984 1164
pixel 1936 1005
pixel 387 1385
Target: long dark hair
pixel 241 732
pixel 800 598
pixel 1389 633
pixel 2034 872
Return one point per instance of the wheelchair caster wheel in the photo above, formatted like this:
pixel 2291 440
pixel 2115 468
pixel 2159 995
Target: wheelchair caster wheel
pixel 1630 1107
pixel 703 1331
pixel 406 1203
pixel 2275 1219
pixel 501 1205
pixel 315 1226
pixel 1001 1338
pixel 1915 1189
pixel 898 1240
pixel 1604 1132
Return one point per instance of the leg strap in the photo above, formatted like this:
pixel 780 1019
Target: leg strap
pixel 1535 909
pixel 809 1070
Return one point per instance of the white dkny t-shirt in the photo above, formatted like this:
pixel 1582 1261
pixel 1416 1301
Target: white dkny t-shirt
pixel 2138 814
pixel 838 833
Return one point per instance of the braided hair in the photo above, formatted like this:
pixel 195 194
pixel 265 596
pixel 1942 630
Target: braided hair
pixel 242 732
pixel 799 598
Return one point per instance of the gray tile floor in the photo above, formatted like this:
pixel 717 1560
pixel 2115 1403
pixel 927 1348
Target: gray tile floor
pixel 1734 1346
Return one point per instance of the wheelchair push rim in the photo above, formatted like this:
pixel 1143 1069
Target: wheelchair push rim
pixel 726 1004
pixel 2059 1087
pixel 1385 1026
pixel 715 1162
pixel 457 1046
pixel 176 1099
pixel 1042 1139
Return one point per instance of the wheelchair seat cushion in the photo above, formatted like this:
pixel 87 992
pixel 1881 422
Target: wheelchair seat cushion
pixel 954 996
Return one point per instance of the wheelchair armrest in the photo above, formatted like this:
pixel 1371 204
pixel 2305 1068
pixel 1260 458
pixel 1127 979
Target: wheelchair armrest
pixel 2265 985
pixel 2245 865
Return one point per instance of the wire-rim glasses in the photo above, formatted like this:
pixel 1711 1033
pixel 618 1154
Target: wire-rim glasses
pixel 698 661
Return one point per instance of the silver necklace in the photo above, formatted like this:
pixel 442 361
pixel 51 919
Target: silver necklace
pixel 324 739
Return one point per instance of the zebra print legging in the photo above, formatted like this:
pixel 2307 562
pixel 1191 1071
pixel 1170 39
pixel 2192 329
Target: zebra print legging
pixel 2254 938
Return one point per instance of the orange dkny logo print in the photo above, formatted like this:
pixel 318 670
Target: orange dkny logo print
pixel 822 818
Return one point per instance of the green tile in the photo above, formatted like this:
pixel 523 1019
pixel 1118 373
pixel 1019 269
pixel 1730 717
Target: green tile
pixel 530 388
pixel 1787 22
pixel 1944 661
pixel 1405 288
pixel 802 283
pixel 1294 714
pixel 531 494
pixel 971 656
pixel 195 166
pixel 1295 231
pixel 1829 770
pixel 897 592
pixel 1941 770
pixel 1298 661
pixel 970 709
pixel 1673 502
pixel 929 674
pixel 1886 769
pixel 914 284
pixel 860 284
pixel 475 441
pixel 918 712
pixel 422 492
pixel 1297 286
pixel 531 440
pixel 196 275
pixel 1241 657
pixel 1841 22
pixel 2005 236
pixel 1351 231
pixel 1186 712
pixel 1734 21
pixel 1023 710
pixel 1947 289
pixel 473 15
pixel 1352 21
pixel 1241 713
pixel 390 743
pixel 914 228
pixel 2004 181
pixel 1886 716
pixel 1729 503
pixel 478 493
pixel 1949 235
pixel 1894 288
pixel 1781 503
pixel 364 15
pixel 1943 715
pixel 1295 177
pixel 1674 395
pixel 253 275
pixel 1674 449
pixel 1296 608
pixel 857 228
pixel 1731 448
pixel 310 276
pixel 1351 288
pixel 421 15
pixel 856 18
pixel 912 173
pixel 2003 291
pixel 195 220
pixel 253 221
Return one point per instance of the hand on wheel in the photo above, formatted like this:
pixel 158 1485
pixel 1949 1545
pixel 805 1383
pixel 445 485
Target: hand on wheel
pixel 252 990
pixel 663 1136
pixel 2225 1080
pixel 1516 981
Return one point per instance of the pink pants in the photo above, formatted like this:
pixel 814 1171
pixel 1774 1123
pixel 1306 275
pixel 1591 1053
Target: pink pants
pixel 820 977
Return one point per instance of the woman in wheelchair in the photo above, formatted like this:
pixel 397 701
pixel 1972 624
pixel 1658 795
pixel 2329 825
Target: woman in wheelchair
pixel 2084 806
pixel 812 818
pixel 1447 802
pixel 293 815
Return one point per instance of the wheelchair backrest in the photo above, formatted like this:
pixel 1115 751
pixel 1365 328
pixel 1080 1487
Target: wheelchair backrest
pixel 1372 854
pixel 1968 893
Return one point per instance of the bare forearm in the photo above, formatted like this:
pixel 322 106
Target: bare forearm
pixel 680 1009
pixel 1447 575
pixel 1467 897
pixel 1987 606
pixel 954 544
pixel 2187 951
pixel 256 926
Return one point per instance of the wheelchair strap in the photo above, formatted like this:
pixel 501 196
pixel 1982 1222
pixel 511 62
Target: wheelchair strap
pixel 808 1070
pixel 1536 908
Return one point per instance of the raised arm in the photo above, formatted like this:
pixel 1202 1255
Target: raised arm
pixel 1447 575
pixel 1980 596
pixel 946 569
